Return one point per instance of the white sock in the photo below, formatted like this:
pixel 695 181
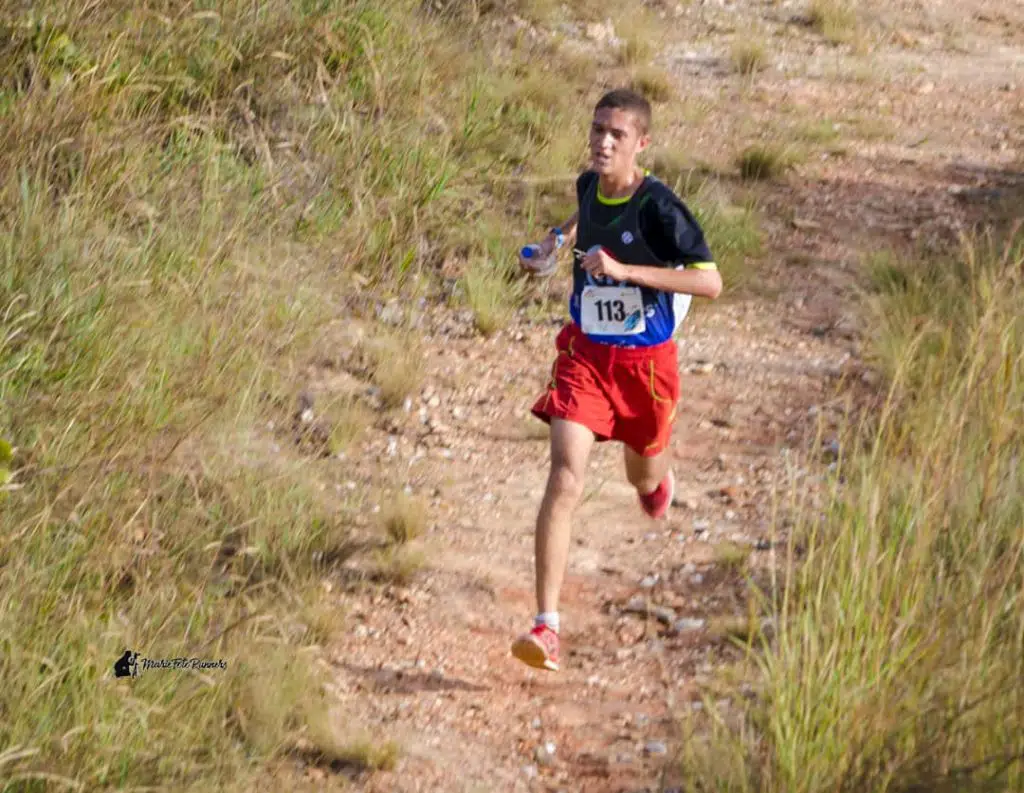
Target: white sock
pixel 549 618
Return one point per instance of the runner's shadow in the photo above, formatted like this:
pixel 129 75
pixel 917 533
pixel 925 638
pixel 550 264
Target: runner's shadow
pixel 408 681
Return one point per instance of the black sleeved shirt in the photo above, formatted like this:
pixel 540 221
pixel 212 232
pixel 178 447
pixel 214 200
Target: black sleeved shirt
pixel 669 228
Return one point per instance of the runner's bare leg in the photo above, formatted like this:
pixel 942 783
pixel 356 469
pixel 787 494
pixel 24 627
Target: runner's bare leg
pixel 571 444
pixel 645 473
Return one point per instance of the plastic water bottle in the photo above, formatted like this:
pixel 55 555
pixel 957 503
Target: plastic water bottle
pixel 531 255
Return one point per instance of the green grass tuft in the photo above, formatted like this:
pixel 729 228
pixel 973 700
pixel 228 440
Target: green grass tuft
pixel 762 162
pixel 192 198
pixel 900 637
pixel 403 519
pixel 836 20
pixel 748 57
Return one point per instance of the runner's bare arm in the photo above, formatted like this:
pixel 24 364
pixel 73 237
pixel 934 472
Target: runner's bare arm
pixel 696 281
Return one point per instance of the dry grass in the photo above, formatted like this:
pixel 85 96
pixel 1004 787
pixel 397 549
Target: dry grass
pixel 398 564
pixel 358 753
pixel 822 131
pixel 192 198
pixel 367 755
pixel 403 519
pixel 732 556
pixel 836 20
pixel 900 632
pixel 763 162
pixel 396 366
pixel 748 56
pixel 654 84
pixel 639 36
pixel 733 232
pixel 492 292
pixel 873 128
pixel 349 419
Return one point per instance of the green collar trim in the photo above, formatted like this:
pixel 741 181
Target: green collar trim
pixel 612 202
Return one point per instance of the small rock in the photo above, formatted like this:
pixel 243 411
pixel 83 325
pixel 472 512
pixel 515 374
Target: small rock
pixel 361 631
pixel 688 625
pixel 701 526
pixel 763 545
pixel 434 401
pixel 655 748
pixel 663 614
pixel 545 755
pixel 530 771
pixel 904 39
pixel 536 723
pixel 697 578
pixel 602 33
pixel 649 582
pixel 390 314
pixel 730 515
pixel 805 225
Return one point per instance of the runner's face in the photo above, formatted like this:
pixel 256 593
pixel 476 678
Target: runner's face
pixel 614 141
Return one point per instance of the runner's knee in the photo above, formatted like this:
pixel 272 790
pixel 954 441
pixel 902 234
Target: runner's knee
pixel 565 484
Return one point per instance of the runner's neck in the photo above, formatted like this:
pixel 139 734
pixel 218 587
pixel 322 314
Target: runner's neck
pixel 620 186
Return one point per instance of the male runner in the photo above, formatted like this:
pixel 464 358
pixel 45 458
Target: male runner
pixel 640 257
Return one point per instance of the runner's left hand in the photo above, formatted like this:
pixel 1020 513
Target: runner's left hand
pixel 601 263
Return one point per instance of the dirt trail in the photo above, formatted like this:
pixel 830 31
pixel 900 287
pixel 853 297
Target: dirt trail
pixel 428 665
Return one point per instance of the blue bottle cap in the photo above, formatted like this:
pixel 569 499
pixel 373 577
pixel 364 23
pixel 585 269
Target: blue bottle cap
pixel 527 252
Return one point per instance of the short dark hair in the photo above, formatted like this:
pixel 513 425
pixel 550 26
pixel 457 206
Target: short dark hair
pixel 631 101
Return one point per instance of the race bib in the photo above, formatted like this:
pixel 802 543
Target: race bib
pixel 612 310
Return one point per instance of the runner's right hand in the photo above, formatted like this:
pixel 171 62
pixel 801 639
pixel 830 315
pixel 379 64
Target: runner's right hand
pixel 541 259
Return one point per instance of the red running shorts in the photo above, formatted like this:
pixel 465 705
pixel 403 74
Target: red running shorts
pixel 626 394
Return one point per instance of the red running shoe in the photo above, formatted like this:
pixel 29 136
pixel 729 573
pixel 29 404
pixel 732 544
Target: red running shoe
pixel 538 648
pixel 656 504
